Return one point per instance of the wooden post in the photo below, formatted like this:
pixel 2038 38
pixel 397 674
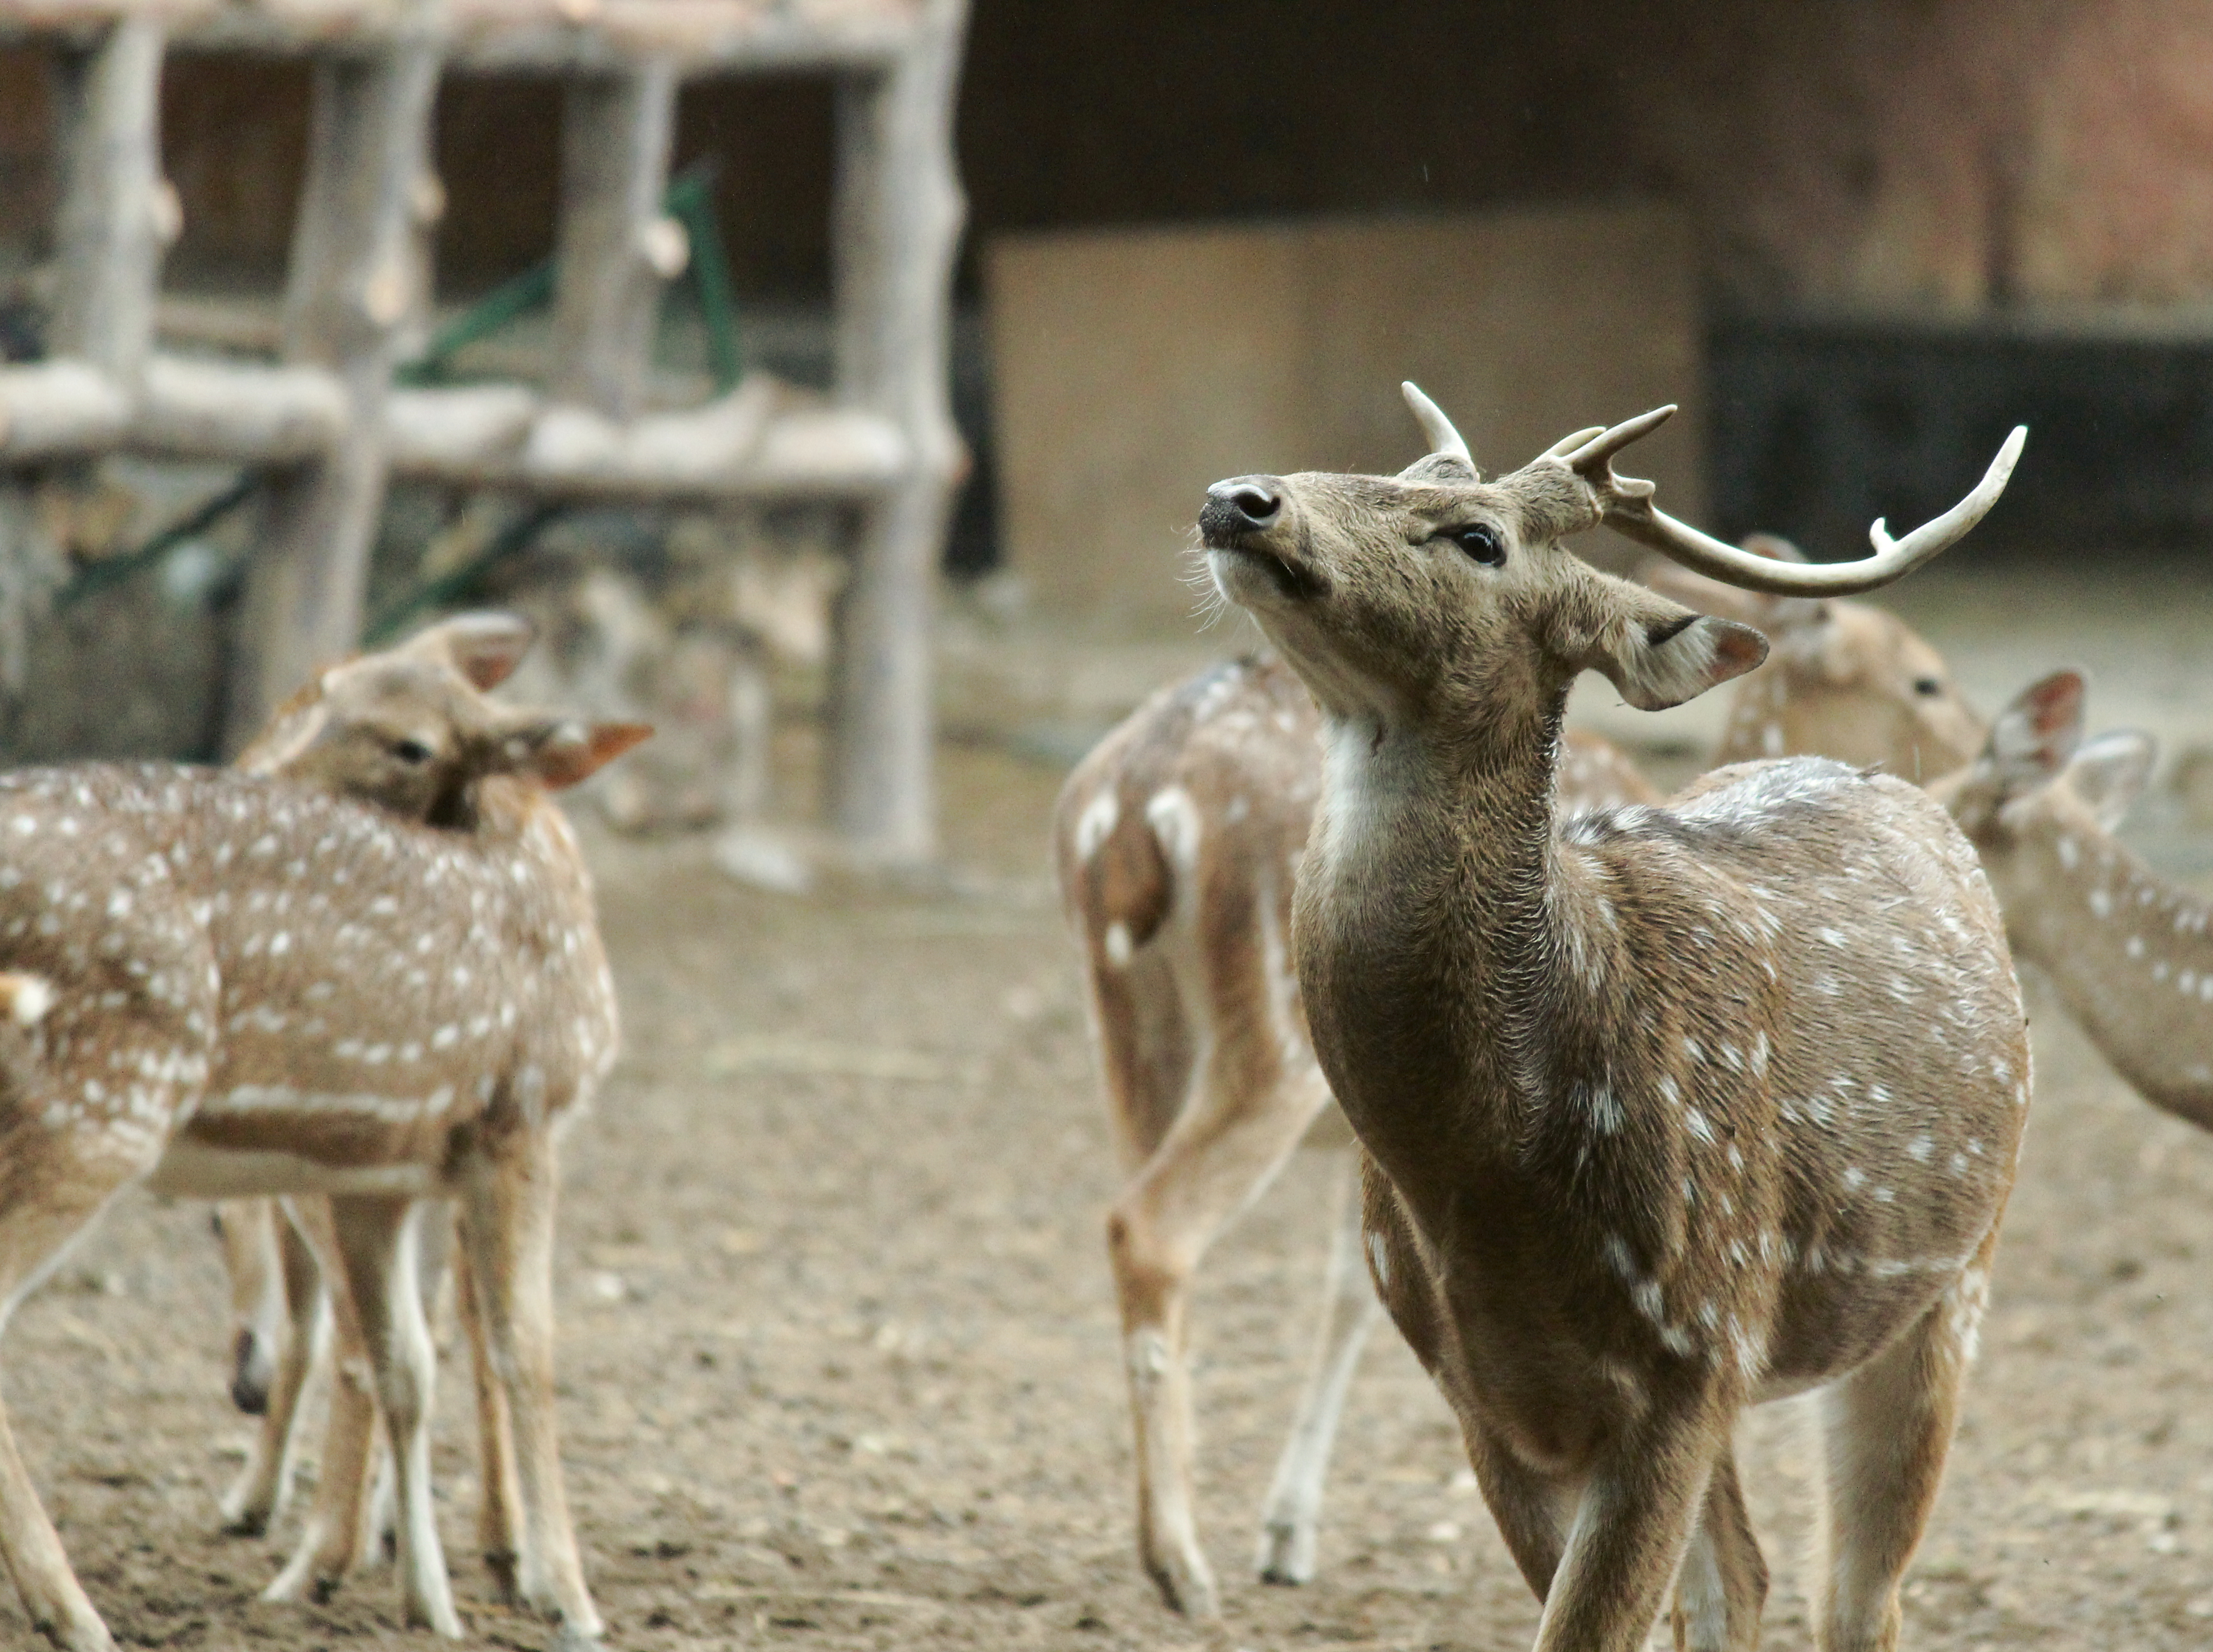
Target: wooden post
pixel 355 262
pixel 616 247
pixel 118 214
pixel 899 212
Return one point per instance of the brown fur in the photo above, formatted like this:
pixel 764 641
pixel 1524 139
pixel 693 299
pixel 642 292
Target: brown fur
pixel 1245 740
pixel 261 988
pixel 2131 953
pixel 1668 1110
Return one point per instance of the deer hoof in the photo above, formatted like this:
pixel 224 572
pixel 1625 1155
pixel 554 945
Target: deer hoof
pixel 1186 1584
pixel 1287 1552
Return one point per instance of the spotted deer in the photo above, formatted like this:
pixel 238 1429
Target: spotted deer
pixel 1666 1110
pixel 1178 839
pixel 227 985
pixel 2130 954
pixel 396 729
pixel 423 699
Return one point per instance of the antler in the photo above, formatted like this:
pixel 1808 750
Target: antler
pixel 1436 429
pixel 1625 504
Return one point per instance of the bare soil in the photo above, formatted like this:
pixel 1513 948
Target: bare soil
pixel 838 1363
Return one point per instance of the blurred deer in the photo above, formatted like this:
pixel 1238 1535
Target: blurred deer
pixel 2130 954
pixel 1178 841
pixel 1842 679
pixel 224 985
pixel 1648 1134
pixel 281 1318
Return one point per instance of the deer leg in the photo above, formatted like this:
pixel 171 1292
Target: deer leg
pixel 330 1544
pixel 1290 1518
pixel 1633 1521
pixel 1723 1586
pixel 507 1225
pixel 71 1189
pixel 1886 1428
pixel 253 1503
pixel 1245 1119
pixel 495 1437
pixel 376 1241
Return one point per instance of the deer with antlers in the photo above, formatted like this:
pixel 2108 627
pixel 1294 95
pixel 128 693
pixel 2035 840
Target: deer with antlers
pixel 1177 841
pixel 223 986
pixel 2131 953
pixel 1649 1135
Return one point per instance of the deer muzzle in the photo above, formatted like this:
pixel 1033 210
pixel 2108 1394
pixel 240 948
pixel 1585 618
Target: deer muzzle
pixel 1243 527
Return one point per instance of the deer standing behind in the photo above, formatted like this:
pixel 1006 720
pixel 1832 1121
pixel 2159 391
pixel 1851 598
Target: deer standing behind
pixel 1665 1110
pixel 224 985
pixel 425 695
pixel 1178 839
pixel 2129 954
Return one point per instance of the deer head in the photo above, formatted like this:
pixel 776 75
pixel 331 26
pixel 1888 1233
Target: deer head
pixel 411 730
pixel 1434 592
pixel 2037 773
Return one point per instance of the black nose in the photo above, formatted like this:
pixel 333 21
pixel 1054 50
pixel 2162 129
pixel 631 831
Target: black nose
pixel 1243 505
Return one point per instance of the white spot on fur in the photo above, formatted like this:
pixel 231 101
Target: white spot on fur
pixel 1174 821
pixel 1096 823
pixel 1116 944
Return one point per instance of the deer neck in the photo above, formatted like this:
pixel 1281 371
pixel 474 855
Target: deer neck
pixel 2131 954
pixel 1427 929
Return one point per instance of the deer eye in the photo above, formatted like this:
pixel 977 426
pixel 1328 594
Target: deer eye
pixel 1928 687
pixel 412 752
pixel 1481 541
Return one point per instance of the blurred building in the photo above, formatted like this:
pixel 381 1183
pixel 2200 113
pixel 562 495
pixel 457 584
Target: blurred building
pixel 1913 221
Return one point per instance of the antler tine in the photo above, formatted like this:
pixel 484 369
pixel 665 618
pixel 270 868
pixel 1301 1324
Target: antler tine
pixel 1632 513
pixel 1594 454
pixel 1567 444
pixel 1943 531
pixel 1436 429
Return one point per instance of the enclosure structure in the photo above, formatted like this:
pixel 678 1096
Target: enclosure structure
pixel 325 417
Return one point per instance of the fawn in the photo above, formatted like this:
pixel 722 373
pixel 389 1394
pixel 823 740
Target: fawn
pixel 2130 954
pixel 248 986
pixel 1649 1132
pixel 424 697
pixel 1177 841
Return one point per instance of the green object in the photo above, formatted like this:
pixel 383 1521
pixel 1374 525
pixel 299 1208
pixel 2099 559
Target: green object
pixel 114 570
pixel 448 589
pixel 507 302
pixel 691 201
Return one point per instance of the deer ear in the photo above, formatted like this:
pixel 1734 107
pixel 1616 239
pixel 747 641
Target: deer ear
pixel 570 752
pixel 483 646
pixel 2036 734
pixel 1658 654
pixel 2110 773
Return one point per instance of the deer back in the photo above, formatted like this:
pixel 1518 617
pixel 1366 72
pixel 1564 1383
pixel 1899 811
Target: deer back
pixel 283 972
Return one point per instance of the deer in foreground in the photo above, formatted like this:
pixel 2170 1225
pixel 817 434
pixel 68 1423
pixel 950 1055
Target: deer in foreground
pixel 1177 840
pixel 223 986
pixel 2131 953
pixel 1666 1110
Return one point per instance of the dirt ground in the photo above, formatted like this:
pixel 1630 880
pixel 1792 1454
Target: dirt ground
pixel 838 1366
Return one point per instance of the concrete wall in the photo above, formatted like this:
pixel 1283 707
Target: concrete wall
pixel 1132 368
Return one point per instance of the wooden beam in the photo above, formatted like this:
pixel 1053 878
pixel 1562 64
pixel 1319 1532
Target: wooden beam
pixel 355 259
pixel 899 212
pixel 617 247
pixel 51 408
pixel 118 214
